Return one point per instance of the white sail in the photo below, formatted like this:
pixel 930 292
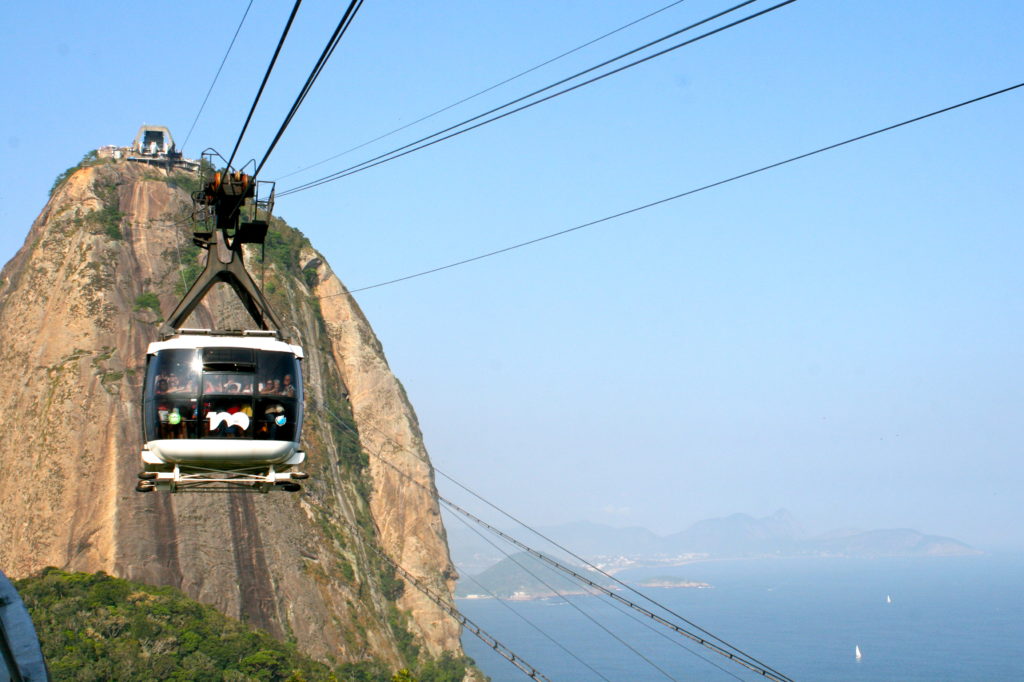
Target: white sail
pixel 888 599
pixel 856 652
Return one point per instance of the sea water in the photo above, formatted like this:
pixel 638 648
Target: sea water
pixel 950 618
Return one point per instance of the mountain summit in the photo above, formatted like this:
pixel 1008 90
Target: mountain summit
pixel 109 254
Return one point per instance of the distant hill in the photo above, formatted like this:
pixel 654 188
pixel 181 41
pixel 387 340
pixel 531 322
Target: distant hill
pixel 522 575
pixel 892 542
pixel 473 554
pixel 734 536
pixel 738 534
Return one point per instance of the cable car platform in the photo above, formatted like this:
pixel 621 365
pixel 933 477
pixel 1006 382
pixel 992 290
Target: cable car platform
pixel 201 479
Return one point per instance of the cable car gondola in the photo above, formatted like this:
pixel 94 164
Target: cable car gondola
pixel 223 409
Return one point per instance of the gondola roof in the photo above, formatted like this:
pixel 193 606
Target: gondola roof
pixel 205 338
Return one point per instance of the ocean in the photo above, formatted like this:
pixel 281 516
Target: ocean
pixel 950 618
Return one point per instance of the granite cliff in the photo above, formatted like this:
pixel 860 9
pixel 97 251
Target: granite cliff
pixel 109 254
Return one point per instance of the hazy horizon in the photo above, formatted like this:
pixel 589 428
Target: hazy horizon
pixel 455 526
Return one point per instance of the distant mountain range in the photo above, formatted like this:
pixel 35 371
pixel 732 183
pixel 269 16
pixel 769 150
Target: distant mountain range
pixel 735 536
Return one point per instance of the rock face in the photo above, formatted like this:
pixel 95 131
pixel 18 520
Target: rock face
pixel 77 309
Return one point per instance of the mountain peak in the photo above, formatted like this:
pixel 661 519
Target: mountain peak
pixel 79 303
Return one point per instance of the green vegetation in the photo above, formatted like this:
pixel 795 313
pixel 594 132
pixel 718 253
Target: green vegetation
pixel 406 642
pixel 390 585
pixel 447 667
pixel 309 276
pixel 283 246
pixel 90 159
pixel 183 180
pixel 190 268
pixel 147 300
pixel 108 217
pixel 96 627
pixel 368 671
pixel 111 376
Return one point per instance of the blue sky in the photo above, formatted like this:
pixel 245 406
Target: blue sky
pixel 840 337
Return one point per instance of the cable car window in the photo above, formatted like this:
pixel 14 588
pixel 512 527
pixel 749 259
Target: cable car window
pixel 275 419
pixel 224 383
pixel 172 385
pixel 223 392
pixel 176 418
pixel 172 371
pixel 229 359
pixel 278 375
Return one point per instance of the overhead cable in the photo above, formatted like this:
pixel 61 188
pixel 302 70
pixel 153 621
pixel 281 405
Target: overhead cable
pixel 458 129
pixel 465 622
pixel 266 77
pixel 674 197
pixel 332 43
pixel 722 647
pixel 217 75
pixel 575 606
pixel 447 607
pixel 617 606
pixel 484 91
pixel 741 658
pixel 526 620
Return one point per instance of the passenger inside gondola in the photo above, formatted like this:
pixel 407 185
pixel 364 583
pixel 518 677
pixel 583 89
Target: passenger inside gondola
pixel 173 416
pixel 180 383
pixel 203 394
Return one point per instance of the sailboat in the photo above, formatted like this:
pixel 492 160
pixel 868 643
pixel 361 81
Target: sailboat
pixel 888 599
pixel 856 652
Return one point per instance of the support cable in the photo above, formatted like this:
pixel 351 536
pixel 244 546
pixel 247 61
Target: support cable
pixel 619 608
pixel 485 90
pixel 742 660
pixel 457 129
pixel 567 601
pixel 332 43
pixel 536 627
pixel 217 75
pixel 465 622
pixel 674 197
pixel 614 605
pixel 739 657
pixel 266 77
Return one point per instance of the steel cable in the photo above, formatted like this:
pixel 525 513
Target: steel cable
pixel 217 75
pixel 457 129
pixel 484 91
pixel 740 657
pixel 674 197
pixel 332 43
pixel 573 605
pixel 266 77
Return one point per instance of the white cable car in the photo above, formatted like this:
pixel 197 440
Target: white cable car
pixel 222 410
